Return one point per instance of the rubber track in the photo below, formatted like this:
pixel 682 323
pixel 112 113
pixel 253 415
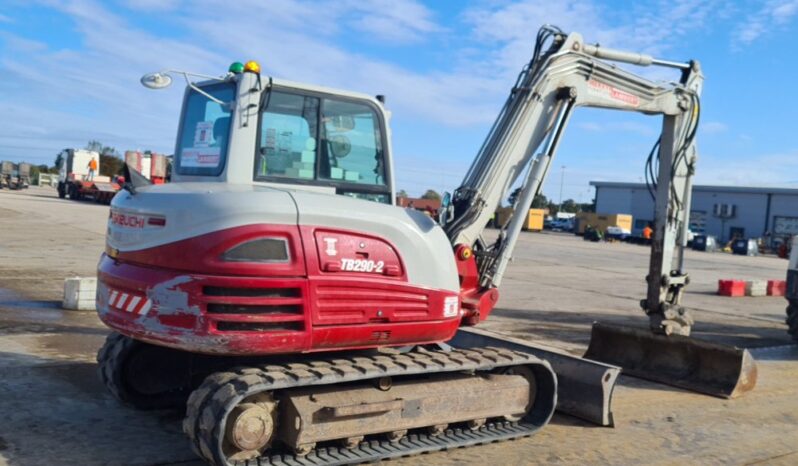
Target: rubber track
pixel 112 358
pixel 413 444
pixel 222 391
pixel 115 347
pixel 792 318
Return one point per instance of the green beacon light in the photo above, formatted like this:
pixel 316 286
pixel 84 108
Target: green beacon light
pixel 236 67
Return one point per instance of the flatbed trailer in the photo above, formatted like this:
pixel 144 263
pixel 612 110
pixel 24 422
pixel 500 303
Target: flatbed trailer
pixel 101 191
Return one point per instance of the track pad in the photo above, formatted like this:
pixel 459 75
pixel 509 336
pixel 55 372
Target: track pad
pixel 711 368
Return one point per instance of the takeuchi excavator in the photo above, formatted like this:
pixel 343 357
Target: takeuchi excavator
pixel 275 286
pixel 792 290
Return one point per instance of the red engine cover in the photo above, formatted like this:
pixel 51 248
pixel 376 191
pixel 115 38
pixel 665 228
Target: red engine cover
pixel 339 290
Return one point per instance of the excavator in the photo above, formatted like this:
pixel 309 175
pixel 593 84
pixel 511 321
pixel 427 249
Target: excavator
pixel 792 290
pixel 303 318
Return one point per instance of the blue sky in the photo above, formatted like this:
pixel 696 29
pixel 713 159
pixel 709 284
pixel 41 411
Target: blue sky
pixel 69 72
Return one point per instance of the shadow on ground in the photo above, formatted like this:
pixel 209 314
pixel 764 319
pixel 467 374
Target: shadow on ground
pixel 574 327
pixel 55 409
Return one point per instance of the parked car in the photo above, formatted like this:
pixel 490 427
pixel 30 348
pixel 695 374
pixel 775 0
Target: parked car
pixel 617 233
pixel 562 224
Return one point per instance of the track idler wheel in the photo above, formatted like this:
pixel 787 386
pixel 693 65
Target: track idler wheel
pixel 144 376
pixel 229 419
pixel 250 428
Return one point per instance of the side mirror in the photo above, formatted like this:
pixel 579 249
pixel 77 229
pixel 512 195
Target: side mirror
pixel 447 210
pixel 156 80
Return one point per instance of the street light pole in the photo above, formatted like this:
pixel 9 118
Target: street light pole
pixel 562 180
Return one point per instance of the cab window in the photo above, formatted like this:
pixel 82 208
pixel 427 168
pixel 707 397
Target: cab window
pixel 288 135
pixel 204 131
pixel 351 141
pixel 325 141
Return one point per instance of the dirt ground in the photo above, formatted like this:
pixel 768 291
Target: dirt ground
pixel 54 410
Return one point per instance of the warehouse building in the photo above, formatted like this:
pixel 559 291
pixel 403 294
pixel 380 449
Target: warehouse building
pixel 721 211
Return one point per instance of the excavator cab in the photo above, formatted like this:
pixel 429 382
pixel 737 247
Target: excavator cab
pixel 304 137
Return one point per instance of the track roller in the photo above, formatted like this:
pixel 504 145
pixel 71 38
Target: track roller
pixel 352 442
pixel 396 435
pixel 476 424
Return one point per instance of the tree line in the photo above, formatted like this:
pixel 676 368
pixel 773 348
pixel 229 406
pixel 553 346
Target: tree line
pixel 428 194
pixel 568 206
pixel 540 202
pixel 111 161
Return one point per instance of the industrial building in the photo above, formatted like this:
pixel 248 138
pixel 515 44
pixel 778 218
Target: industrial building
pixel 721 211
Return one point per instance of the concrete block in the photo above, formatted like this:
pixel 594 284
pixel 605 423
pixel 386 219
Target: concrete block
pixel 80 293
pixel 756 288
pixel 777 287
pixel 732 288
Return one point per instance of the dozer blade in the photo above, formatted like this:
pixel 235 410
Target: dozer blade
pixel 684 362
pixel 584 388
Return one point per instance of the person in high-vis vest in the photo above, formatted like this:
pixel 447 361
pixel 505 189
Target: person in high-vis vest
pixel 92 169
pixel 648 232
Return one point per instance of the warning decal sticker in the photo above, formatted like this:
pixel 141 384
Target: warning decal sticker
pixel 598 88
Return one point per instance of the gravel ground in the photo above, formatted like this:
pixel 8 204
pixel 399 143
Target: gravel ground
pixel 55 411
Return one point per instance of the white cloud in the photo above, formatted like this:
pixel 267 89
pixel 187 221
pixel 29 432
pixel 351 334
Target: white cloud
pixel 653 29
pixel 296 54
pixel 21 44
pixel 773 15
pixel 5 19
pixel 153 5
pixel 712 127
pixel 758 170
pixel 590 126
pixel 93 91
pixel 100 80
pixel 396 21
pixel 783 11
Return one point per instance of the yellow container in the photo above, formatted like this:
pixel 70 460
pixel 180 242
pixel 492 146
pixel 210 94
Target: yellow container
pixel 534 220
pixel 602 221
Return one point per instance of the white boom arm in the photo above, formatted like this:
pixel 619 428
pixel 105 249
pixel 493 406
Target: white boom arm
pixel 569 74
